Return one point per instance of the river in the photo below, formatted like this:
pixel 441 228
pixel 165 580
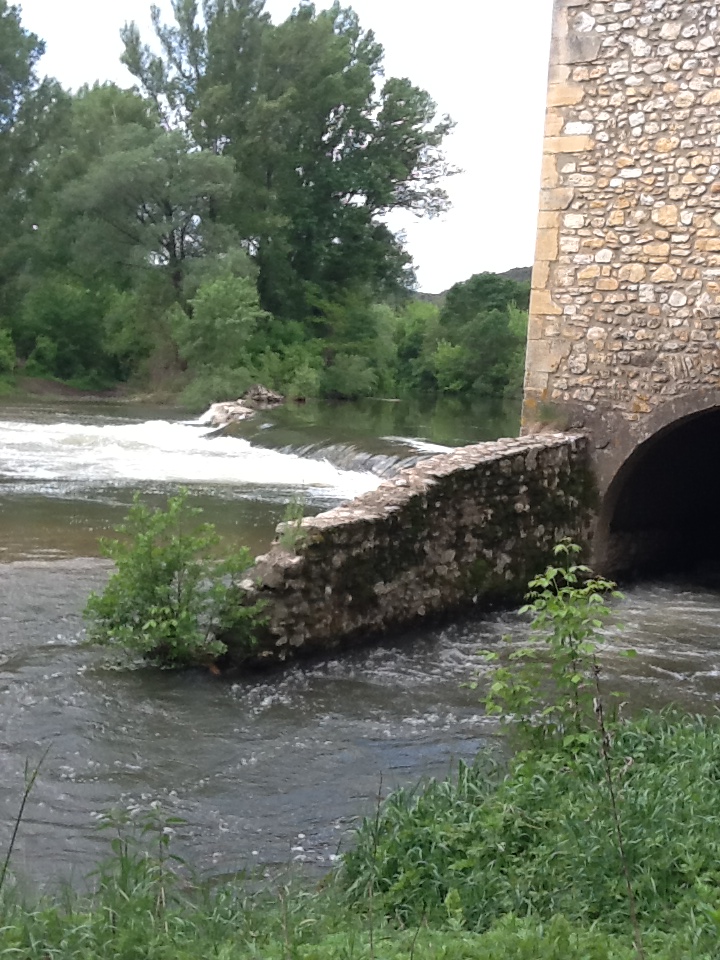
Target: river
pixel 273 768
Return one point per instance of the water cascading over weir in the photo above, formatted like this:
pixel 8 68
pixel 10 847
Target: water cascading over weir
pixel 621 415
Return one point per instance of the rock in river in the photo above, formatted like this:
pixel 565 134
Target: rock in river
pixel 255 398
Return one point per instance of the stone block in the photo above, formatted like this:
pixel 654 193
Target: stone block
pixel 549 220
pixel 657 250
pixel 559 199
pixel 547 244
pixel 632 272
pixel 540 274
pixel 565 95
pixel 542 304
pixel 569 144
pixel 666 215
pixel 549 176
pixel 666 144
pixel 664 274
pixel 545 356
pixel 554 123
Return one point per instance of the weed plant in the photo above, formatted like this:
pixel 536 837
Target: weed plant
pixel 548 693
pixel 290 532
pixel 171 599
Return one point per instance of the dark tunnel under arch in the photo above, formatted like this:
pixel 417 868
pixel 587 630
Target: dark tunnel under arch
pixel 661 513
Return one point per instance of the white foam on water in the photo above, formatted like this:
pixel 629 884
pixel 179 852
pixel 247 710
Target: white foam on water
pixel 422 446
pixel 161 451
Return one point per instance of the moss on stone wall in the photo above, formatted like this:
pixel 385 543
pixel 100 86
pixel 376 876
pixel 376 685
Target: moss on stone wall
pixel 464 528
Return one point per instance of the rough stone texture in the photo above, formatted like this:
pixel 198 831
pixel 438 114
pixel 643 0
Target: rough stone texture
pixel 469 526
pixel 624 326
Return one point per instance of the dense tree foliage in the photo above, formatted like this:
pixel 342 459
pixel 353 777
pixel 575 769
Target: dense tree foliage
pixel 26 109
pixel 226 220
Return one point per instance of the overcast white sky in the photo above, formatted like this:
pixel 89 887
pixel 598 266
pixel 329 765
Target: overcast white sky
pixel 483 61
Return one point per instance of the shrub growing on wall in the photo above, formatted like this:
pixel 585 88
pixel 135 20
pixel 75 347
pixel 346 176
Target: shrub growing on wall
pixel 171 599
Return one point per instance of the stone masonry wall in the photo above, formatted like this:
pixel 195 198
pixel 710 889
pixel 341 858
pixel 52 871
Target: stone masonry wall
pixel 624 332
pixel 471 526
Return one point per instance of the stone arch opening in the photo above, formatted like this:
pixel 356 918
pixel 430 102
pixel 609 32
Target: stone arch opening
pixel 661 513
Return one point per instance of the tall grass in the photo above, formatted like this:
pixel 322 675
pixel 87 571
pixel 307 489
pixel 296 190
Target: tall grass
pixel 482 867
pixel 541 840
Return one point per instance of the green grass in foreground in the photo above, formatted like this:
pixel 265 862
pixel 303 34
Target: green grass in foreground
pixel 519 867
pixel 543 841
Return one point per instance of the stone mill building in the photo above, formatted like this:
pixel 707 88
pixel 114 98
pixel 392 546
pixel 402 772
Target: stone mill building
pixel 624 338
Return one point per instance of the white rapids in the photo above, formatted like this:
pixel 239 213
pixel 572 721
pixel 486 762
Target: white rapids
pixel 83 455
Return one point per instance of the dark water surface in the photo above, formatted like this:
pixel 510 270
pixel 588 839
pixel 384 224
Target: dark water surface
pixel 272 768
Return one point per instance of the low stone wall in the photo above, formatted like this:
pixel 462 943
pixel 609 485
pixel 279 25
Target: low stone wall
pixel 461 528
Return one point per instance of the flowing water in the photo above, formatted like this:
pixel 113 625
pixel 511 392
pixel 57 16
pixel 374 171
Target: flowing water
pixel 265 769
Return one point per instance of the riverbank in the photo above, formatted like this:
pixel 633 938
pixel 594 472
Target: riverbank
pixel 520 866
pixel 18 389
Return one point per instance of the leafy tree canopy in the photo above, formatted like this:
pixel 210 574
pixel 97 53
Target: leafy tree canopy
pixel 323 147
pixel 227 220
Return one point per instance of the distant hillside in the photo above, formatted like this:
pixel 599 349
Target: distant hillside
pixel 518 274
pixel 437 298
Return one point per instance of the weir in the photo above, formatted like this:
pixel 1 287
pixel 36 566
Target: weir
pixel 456 530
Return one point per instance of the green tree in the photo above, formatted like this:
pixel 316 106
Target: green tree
pixel 63 263
pixel 483 292
pixel 221 323
pixel 25 118
pixel 146 202
pixel 323 148
pixel 482 329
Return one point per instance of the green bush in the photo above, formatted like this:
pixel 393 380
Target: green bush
pixel 542 840
pixel 7 352
pixel 292 368
pixel 43 358
pixel 224 316
pixel 59 323
pixel 304 383
pixel 349 378
pixel 171 600
pixel 548 693
pixel 211 385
